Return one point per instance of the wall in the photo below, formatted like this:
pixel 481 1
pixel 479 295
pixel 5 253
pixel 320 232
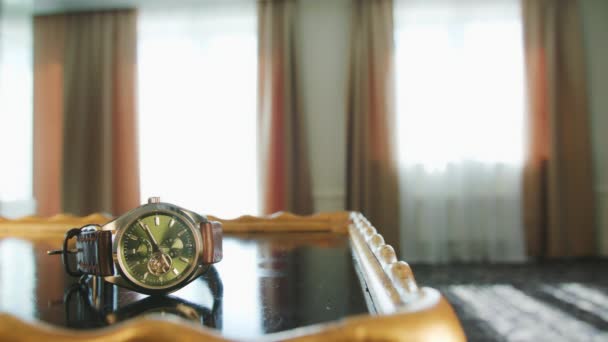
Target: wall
pixel 595 26
pixel 323 41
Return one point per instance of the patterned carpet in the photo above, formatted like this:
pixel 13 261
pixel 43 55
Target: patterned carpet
pixel 542 301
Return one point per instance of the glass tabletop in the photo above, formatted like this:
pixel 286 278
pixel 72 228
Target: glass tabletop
pixel 266 283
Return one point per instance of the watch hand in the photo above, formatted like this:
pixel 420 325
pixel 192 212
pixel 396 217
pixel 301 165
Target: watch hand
pixel 165 261
pixel 150 236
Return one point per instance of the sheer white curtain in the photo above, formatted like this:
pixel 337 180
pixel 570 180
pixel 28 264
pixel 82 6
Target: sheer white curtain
pixel 460 126
pixel 197 69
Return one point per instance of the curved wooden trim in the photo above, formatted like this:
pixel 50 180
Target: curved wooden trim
pixel 391 282
pixel 37 227
pixel 287 222
pixel 424 323
pixel 56 226
pixel 139 329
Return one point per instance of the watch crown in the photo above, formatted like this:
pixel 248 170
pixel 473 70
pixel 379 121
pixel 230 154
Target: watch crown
pixel 153 200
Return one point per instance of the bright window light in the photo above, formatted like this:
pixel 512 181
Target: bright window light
pixel 459 82
pixel 17 280
pixel 16 107
pixel 197 70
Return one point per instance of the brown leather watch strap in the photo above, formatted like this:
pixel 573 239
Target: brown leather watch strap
pixel 94 252
pixel 211 232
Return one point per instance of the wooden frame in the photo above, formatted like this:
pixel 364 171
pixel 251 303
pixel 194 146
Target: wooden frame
pixel 400 310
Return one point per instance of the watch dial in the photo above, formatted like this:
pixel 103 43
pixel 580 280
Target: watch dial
pixel 157 250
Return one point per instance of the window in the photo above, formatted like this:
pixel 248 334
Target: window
pixel 460 109
pixel 197 107
pixel 16 98
pixel 460 82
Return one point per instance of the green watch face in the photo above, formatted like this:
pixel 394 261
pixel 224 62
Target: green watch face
pixel 157 250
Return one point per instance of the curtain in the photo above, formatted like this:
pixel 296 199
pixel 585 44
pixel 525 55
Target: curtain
pixel 49 45
pixel 371 142
pixel 460 127
pixel 84 110
pixel 284 165
pixel 559 200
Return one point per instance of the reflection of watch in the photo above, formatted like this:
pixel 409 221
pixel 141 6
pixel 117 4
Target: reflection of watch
pixel 155 248
pixel 83 311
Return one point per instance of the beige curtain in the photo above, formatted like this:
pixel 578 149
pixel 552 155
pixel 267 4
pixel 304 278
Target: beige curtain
pixel 372 186
pixel 284 166
pixel 49 45
pixel 558 194
pixel 85 69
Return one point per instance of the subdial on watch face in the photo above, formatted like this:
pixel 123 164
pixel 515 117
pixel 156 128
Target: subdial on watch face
pixel 172 246
pixel 144 249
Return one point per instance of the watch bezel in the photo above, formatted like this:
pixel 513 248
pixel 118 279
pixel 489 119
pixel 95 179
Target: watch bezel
pixel 129 218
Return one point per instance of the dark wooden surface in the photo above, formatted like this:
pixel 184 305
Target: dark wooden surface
pixel 266 283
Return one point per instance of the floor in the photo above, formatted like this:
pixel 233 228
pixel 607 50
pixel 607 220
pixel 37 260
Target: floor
pixel 542 301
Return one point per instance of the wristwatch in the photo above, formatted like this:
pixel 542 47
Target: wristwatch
pixel 156 248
